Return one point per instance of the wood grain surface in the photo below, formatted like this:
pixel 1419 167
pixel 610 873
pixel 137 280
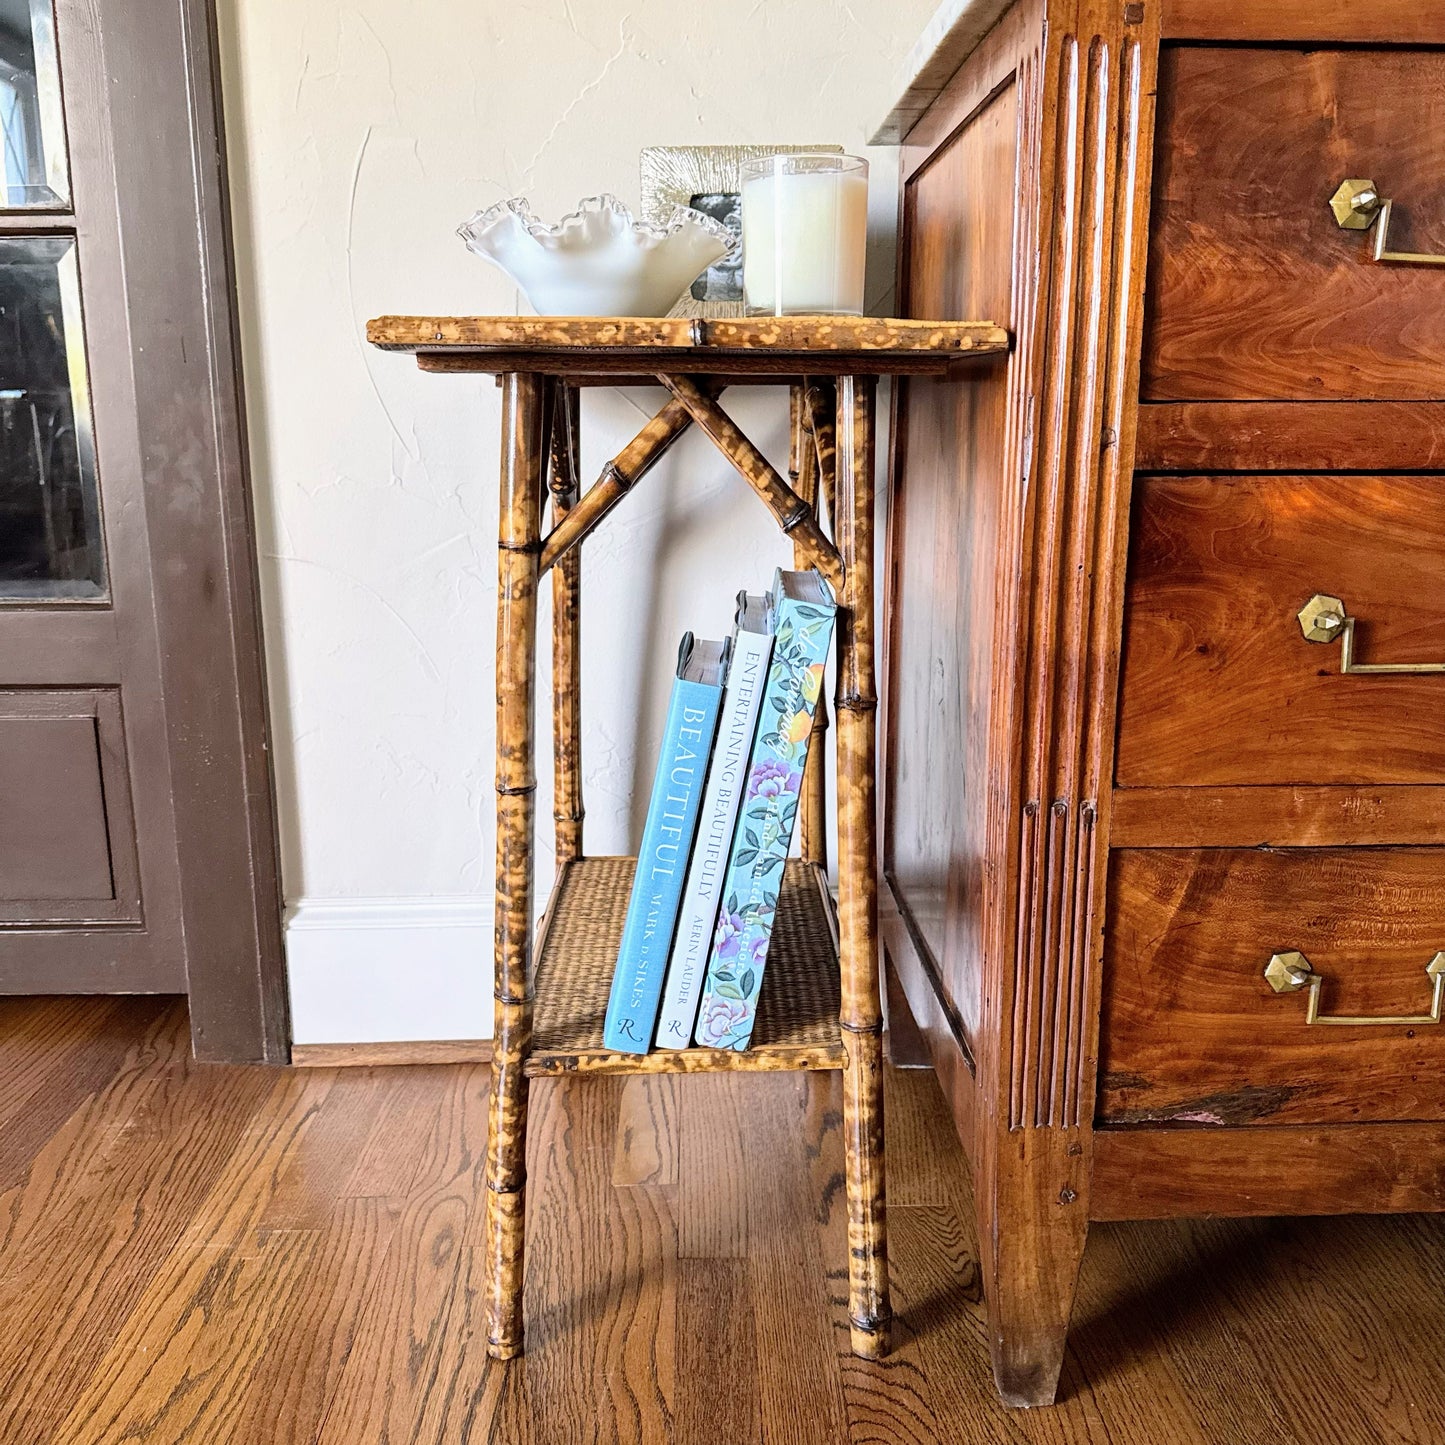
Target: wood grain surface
pixel 1141 1173
pixel 1389 22
pixel 1254 291
pixel 765 333
pixel 1221 688
pixel 1289 816
pixel 1287 436
pixel 208 1253
pixel 1194 1034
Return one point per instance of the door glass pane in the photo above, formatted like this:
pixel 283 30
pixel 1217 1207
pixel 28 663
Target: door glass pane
pixel 31 121
pixel 50 538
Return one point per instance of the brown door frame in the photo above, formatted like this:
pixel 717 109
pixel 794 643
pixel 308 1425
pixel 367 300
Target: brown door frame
pixel 185 341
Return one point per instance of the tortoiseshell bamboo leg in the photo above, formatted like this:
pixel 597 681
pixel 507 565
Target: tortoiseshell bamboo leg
pixel 818 418
pixel 518 545
pixel 869 1311
pixel 567 809
pixel 813 802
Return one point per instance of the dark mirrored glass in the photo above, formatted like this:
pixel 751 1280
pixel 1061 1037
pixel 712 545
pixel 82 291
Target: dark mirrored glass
pixel 50 534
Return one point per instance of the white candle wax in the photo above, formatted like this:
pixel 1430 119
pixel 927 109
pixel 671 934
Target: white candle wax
pixel 804 238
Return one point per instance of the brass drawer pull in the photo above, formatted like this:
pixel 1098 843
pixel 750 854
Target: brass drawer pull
pixel 1357 204
pixel 1289 972
pixel 1324 618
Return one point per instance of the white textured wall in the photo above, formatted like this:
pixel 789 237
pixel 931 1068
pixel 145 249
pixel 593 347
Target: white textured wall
pixel 360 135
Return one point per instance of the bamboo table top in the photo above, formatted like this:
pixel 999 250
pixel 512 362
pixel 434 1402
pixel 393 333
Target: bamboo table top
pixel 606 349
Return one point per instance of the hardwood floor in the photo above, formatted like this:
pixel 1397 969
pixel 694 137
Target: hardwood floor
pixel 226 1255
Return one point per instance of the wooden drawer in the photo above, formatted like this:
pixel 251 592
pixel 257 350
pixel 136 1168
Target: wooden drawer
pixel 1193 1033
pixel 1254 291
pixel 1220 685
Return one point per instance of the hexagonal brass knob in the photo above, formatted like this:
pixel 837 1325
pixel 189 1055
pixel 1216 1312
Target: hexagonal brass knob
pixel 1287 972
pixel 1322 618
pixel 1355 204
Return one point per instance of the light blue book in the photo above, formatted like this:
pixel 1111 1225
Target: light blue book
pixel 752 648
pixel 666 846
pixel 805 609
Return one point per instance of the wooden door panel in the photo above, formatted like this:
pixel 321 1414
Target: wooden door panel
pixel 953 465
pixel 1254 291
pixel 1220 686
pixel 53 840
pixel 1193 1033
pixel 67 824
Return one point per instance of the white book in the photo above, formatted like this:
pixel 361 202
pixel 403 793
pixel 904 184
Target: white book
pixel 726 780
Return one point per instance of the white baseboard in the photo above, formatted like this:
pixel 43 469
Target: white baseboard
pixel 383 970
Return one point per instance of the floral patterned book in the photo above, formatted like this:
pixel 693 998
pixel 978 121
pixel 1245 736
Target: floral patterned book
pixel 805 609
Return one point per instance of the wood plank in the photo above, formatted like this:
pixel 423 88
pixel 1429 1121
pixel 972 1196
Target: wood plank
pixel 919 1171
pixel 793 334
pixel 391 1054
pixel 1385 22
pixel 1290 436
pixel 1342 1168
pixel 385 1383
pixel 193 1345
pixel 1158 1296
pixel 1290 816
pixel 721 1348
pixel 292 1388
pixel 114 1192
pixel 1184 1332
pixel 647 1145
pixel 42 1041
pixel 601 1285
pixel 216 1265
pixel 713 1194
pixel 61 1175
pixel 760 368
pixel 308 1184
pixel 793 1147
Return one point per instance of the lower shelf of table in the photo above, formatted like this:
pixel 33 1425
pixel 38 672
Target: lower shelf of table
pixel 797 1024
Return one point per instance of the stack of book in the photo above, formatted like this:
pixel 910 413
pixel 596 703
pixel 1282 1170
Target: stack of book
pixel 719 826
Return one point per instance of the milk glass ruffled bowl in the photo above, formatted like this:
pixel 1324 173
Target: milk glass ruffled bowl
pixel 599 260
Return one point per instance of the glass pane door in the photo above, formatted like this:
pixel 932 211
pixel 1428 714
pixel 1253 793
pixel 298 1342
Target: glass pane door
pixel 50 535
pixel 32 123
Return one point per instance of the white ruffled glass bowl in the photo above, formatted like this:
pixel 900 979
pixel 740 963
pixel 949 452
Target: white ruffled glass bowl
pixel 599 260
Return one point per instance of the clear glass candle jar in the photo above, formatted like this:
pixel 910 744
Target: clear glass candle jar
pixel 805 234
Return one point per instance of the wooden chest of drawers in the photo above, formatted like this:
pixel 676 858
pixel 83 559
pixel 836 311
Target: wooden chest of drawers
pixel 1164 813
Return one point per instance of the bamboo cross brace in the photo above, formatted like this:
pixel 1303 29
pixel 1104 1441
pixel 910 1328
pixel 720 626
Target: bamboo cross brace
pixel 794 515
pixel 617 479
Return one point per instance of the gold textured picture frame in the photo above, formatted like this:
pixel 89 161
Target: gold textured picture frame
pixel 706 178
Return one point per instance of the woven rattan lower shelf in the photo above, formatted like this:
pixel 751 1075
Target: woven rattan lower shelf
pixel 577 947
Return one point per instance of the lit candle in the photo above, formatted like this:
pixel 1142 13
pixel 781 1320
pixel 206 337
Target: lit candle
pixel 805 234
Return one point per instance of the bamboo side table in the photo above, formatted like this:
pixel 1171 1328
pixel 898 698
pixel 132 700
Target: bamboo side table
pixel 820 1006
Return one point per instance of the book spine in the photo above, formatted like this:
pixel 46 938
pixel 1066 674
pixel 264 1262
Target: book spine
pixel 769 809
pixel 702 891
pixel 661 866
